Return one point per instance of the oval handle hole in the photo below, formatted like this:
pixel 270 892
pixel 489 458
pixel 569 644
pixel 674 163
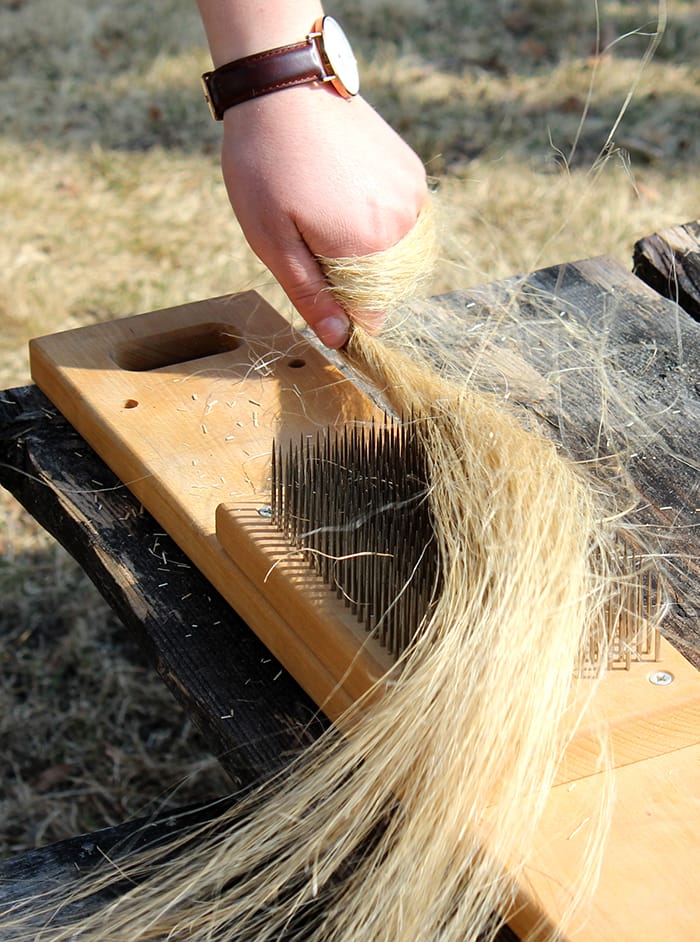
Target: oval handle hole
pixel 175 346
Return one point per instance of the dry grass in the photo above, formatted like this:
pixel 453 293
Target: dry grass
pixel 111 203
pixel 84 746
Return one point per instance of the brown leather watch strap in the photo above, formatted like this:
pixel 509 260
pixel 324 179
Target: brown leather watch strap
pixel 261 73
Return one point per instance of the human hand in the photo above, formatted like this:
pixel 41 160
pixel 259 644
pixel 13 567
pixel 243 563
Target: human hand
pixel 309 173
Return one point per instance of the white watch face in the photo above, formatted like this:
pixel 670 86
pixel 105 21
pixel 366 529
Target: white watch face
pixel 340 55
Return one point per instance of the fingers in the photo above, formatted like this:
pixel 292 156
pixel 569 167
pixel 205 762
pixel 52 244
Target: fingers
pixel 301 274
pixel 304 283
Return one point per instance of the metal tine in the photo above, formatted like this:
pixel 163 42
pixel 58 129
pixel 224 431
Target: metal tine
pixel 359 536
pixel 373 604
pixel 634 609
pixel 276 473
pixel 310 510
pixel 321 465
pixel 394 584
pixel 291 499
pixel 653 606
pixel 381 564
pixel 363 490
pixel 347 502
pixel 362 535
pixel 658 605
pixel 353 503
pixel 303 503
pixel 300 495
pixel 314 509
pixel 281 469
pixel 330 521
pixel 345 564
pixel 288 495
pixel 288 488
pixel 404 617
pixel 646 615
pixel 360 493
pixel 284 494
pixel 295 496
pixel 396 599
pixel 324 509
pixel 273 485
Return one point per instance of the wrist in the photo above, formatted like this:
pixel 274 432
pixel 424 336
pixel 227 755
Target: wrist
pixel 270 109
pixel 238 28
pixel 323 55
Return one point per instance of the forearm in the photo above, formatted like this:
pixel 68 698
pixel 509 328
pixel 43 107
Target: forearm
pixel 237 28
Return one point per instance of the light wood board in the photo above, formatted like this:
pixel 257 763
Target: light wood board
pixel 184 404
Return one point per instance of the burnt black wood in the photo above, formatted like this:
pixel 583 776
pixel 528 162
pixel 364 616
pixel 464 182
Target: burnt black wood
pixel 253 715
pixel 42 870
pixel 52 471
pixel 652 349
pixel 28 875
pixel 669 261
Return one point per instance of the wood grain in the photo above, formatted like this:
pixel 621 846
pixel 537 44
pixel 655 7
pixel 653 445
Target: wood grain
pixel 188 434
pixel 648 881
pixel 643 415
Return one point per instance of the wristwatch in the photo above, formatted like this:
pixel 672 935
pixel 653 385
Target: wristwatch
pixel 325 55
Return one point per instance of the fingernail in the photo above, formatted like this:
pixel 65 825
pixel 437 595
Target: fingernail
pixel 333 331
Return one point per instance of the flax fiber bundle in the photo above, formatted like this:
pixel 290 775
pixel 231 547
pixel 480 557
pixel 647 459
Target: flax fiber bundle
pixel 400 828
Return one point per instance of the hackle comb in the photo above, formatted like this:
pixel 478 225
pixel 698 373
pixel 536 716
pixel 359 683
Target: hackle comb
pixel 355 502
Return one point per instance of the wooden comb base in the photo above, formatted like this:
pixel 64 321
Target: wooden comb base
pixel 183 404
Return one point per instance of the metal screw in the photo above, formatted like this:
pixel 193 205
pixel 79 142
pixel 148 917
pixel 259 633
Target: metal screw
pixel 265 511
pixel 661 678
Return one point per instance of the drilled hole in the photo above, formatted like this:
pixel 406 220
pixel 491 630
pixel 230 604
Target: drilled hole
pixel 296 363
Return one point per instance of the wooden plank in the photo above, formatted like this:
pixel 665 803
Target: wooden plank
pixel 25 877
pixel 188 434
pixel 669 261
pixel 311 612
pixel 642 719
pixel 28 875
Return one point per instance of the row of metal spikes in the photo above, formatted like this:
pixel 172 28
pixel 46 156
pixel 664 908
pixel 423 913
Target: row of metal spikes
pixel 355 501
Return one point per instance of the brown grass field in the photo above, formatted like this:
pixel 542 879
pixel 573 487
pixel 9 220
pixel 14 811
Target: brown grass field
pixel 111 203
